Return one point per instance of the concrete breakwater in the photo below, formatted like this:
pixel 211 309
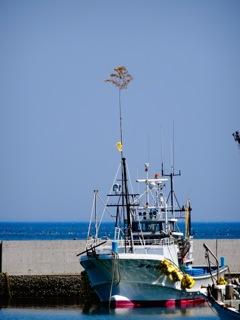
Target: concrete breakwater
pixel 44 287
pixel 43 269
pixel 52 268
pixel 41 257
pixel 40 286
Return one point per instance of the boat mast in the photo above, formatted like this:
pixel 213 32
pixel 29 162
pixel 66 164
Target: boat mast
pixel 121 78
pixel 95 211
pixel 171 175
pixel 173 198
pixel 172 194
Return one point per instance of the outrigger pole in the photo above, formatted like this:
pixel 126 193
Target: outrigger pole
pixel 121 78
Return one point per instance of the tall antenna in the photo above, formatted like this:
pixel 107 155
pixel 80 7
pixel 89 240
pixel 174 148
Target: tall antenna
pixel 161 150
pixel 172 196
pixel 173 149
pixel 148 148
pixel 120 78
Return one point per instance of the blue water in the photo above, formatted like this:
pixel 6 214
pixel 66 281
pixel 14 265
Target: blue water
pixel 196 313
pixel 78 230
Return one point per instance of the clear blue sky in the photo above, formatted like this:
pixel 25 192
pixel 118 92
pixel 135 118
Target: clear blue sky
pixel 59 119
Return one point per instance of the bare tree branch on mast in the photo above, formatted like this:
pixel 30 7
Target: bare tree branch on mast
pixel 120 78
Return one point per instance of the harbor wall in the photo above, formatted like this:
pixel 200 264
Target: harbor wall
pixel 43 270
pixel 41 257
pixel 59 257
pixel 227 248
pixel 46 290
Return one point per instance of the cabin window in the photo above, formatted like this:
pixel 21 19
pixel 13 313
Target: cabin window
pixel 151 226
pixel 171 226
pixel 136 227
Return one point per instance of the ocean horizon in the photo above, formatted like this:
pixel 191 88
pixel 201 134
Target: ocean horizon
pixel 71 230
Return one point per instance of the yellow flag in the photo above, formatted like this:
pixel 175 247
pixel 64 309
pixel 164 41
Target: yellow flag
pixel 119 146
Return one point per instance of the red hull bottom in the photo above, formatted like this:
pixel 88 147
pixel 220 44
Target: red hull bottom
pixel 165 303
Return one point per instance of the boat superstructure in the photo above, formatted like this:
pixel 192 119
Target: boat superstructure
pixel 149 260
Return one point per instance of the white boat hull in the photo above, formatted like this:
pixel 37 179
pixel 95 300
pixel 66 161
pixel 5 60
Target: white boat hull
pixel 143 294
pixel 136 282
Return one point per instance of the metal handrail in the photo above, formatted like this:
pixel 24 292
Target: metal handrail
pixel 209 252
pixel 147 242
pixel 96 242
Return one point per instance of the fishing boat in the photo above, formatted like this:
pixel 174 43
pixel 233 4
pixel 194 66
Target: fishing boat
pixel 226 305
pixel 149 261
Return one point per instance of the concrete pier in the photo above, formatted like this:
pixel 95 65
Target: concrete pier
pixel 52 269
pixel 59 257
pixel 227 248
pixel 40 286
pixel 41 257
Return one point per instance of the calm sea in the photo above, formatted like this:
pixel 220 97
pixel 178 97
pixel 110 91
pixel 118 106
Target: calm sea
pixel 78 230
pixel 76 313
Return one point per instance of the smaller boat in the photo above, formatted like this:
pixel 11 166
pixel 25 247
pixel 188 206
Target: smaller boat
pixel 218 296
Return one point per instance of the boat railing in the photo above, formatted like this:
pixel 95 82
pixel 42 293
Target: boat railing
pixel 147 242
pixel 122 243
pixel 118 233
pixel 161 242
